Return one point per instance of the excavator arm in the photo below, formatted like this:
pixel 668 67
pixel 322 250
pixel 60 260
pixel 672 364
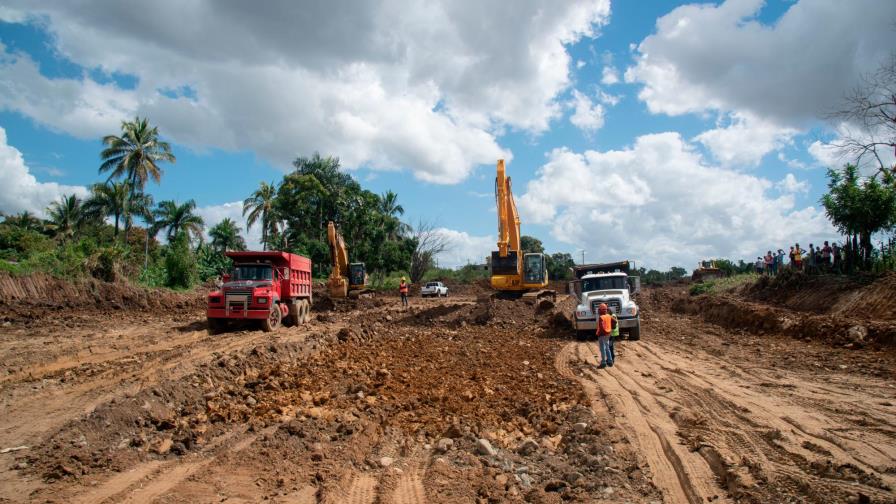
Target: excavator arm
pixel 338 281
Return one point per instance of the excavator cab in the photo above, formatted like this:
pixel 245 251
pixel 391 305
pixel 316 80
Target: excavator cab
pixel 534 268
pixel 357 276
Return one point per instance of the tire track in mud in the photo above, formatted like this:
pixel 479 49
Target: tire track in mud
pixel 410 489
pixel 681 475
pixel 773 432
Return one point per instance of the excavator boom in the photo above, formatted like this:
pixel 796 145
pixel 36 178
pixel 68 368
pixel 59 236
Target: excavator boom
pixel 346 279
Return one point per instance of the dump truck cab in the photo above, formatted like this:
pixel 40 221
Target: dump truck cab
pixel 271 287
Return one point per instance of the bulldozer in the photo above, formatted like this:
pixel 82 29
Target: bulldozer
pixel 346 279
pixel 513 273
pixel 706 270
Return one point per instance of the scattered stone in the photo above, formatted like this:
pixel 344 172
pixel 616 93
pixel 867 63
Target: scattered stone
pixel 501 479
pixel 163 446
pixel 580 427
pixel 525 480
pixel 251 401
pixel 527 447
pixel 573 477
pixel 444 444
pixel 386 461
pixel 483 447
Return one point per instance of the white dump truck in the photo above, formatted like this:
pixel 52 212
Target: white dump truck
pixel 610 284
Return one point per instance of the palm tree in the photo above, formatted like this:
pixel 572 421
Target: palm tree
pixel 225 236
pixel 109 199
pixel 25 220
pixel 389 204
pixel 65 217
pixel 176 218
pixel 135 155
pixel 260 207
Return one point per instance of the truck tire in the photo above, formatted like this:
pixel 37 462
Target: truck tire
pixel 304 311
pixel 634 334
pixel 272 321
pixel 215 326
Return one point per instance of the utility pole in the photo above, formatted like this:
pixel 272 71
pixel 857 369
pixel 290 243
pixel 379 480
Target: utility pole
pixel 583 256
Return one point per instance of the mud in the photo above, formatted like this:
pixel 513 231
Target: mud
pixel 451 400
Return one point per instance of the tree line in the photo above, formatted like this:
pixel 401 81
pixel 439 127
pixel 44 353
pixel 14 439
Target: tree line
pixel 99 235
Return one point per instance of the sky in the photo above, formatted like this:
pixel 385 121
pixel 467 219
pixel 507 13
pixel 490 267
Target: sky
pixel 654 131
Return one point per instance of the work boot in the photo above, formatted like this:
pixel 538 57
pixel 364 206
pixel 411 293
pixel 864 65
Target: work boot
pixel 602 366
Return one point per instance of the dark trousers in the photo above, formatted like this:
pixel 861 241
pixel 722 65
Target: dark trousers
pixel 404 299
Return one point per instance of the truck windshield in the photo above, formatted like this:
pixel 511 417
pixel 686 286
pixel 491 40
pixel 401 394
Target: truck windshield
pixel 251 272
pixel 432 284
pixel 605 283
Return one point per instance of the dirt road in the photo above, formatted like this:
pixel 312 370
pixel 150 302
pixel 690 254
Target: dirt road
pixel 451 401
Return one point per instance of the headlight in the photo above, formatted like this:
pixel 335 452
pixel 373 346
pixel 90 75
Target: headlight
pixel 261 300
pixel 632 310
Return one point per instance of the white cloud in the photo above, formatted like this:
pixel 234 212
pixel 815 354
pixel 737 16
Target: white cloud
pixel 587 116
pixel 580 64
pixel 790 184
pixel 393 85
pixel 213 214
pixel 21 190
pixel 792 163
pixel 825 154
pixel 745 140
pixel 661 203
pixel 463 248
pixel 719 57
pixel 609 76
pixel 608 99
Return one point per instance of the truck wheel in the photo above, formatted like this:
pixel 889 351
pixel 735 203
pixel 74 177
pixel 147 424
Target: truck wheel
pixel 634 334
pixel 215 326
pixel 272 321
pixel 304 311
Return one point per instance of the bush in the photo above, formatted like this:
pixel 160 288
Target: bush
pixel 180 264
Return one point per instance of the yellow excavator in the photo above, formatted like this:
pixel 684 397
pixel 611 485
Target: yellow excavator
pixel 514 274
pixel 346 279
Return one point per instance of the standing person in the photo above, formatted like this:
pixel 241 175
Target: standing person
pixel 838 265
pixel 403 291
pixel 769 263
pixel 605 325
pixel 779 261
pixel 798 257
pixel 792 257
pixel 614 334
pixel 810 260
pixel 759 265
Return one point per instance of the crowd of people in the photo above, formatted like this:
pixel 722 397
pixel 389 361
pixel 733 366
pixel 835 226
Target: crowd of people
pixel 822 259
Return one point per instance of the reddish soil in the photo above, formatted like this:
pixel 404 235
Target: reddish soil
pixel 452 400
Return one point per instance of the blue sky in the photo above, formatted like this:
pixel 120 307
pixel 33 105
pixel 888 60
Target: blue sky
pixel 655 131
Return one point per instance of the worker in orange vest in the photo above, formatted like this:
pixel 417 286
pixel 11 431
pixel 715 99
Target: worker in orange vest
pixel 403 290
pixel 605 325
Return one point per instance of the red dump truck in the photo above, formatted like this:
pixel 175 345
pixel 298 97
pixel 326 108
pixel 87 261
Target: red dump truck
pixel 271 287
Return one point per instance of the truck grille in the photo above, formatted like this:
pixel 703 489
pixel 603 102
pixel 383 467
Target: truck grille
pixel 238 299
pixel 611 303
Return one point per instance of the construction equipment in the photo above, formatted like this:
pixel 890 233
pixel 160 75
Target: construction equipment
pixel 610 284
pixel 346 279
pixel 513 273
pixel 271 287
pixel 706 270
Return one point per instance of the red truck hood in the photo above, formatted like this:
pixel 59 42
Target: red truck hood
pixel 247 284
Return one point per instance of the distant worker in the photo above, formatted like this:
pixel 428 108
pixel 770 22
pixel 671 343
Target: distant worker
pixel 403 291
pixel 769 263
pixel 605 325
pixel 798 257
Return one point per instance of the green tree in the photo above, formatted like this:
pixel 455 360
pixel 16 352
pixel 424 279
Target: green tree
pixel 179 218
pixel 65 217
pixel 859 208
pixel 24 220
pixel 180 263
pixel 108 200
pixel 559 265
pixel 531 244
pixel 135 155
pixel 260 209
pixel 225 236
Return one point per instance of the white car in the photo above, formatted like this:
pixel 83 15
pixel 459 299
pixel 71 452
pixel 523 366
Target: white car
pixel 435 289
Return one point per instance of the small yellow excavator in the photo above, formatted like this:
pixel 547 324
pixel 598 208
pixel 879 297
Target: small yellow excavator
pixel 346 279
pixel 514 274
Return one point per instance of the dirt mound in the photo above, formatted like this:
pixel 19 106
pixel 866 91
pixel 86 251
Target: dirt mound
pixel 873 297
pixel 759 318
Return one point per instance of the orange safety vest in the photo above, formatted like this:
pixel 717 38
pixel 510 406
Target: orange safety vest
pixel 604 325
pixel 403 288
